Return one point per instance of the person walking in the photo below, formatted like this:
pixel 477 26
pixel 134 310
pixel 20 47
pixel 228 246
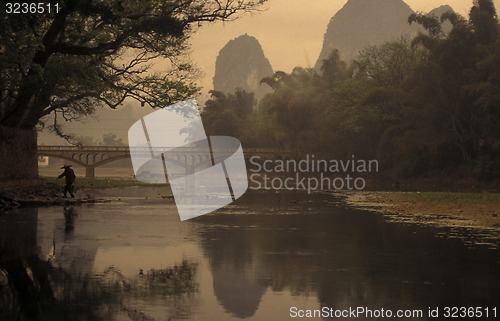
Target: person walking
pixel 70 179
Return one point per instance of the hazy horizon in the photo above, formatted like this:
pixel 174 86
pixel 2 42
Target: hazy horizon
pixel 290 32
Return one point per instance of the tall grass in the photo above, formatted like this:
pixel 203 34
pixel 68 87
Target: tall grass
pixel 458 197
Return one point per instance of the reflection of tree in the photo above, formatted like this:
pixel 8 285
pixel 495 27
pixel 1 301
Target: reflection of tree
pixel 38 291
pixel 111 293
pixel 173 286
pixel 344 257
pixel 165 282
pixel 27 289
pixel 62 287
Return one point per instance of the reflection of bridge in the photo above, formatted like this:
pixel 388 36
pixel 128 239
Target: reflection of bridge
pixel 91 157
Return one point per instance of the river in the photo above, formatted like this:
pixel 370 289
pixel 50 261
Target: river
pixel 269 256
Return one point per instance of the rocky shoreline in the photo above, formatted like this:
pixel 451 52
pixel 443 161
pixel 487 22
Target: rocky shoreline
pixel 38 193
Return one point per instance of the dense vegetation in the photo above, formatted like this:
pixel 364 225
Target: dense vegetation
pixel 66 62
pixel 426 105
pixel 88 53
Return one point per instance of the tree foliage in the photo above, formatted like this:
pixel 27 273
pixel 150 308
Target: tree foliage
pixel 451 84
pixel 421 106
pixel 226 115
pixel 100 52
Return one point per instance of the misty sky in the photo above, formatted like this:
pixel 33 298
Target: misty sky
pixel 290 32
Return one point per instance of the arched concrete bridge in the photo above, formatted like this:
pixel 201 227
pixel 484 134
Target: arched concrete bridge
pixel 91 157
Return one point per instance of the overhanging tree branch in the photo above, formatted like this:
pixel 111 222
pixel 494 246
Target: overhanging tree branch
pixel 80 48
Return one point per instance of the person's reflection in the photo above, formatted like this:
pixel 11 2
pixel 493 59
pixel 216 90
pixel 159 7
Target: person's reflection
pixel 69 219
pixel 69 252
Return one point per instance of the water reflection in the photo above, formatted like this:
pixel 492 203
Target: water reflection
pixel 239 280
pixel 70 215
pixel 47 273
pixel 23 278
pixel 252 260
pixel 344 258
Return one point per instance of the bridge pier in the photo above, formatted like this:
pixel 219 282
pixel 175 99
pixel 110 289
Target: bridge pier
pixel 90 171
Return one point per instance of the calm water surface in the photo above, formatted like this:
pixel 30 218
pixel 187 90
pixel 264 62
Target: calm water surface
pixel 133 259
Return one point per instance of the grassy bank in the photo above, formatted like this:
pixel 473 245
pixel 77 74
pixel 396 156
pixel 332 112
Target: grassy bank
pixel 463 198
pixel 442 208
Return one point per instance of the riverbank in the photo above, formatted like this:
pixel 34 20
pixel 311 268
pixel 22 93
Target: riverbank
pixel 450 209
pixel 470 210
pixel 48 191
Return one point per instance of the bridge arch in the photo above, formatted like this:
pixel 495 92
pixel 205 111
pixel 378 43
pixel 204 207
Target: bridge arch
pixel 63 157
pixel 88 157
pixel 110 160
pixel 91 157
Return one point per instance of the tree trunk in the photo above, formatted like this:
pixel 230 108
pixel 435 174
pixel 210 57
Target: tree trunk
pixel 18 153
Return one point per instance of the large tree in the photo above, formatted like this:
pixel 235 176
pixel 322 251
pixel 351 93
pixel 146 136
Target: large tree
pixel 227 114
pixel 88 53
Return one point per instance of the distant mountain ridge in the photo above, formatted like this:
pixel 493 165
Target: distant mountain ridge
pixel 241 63
pixel 361 23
